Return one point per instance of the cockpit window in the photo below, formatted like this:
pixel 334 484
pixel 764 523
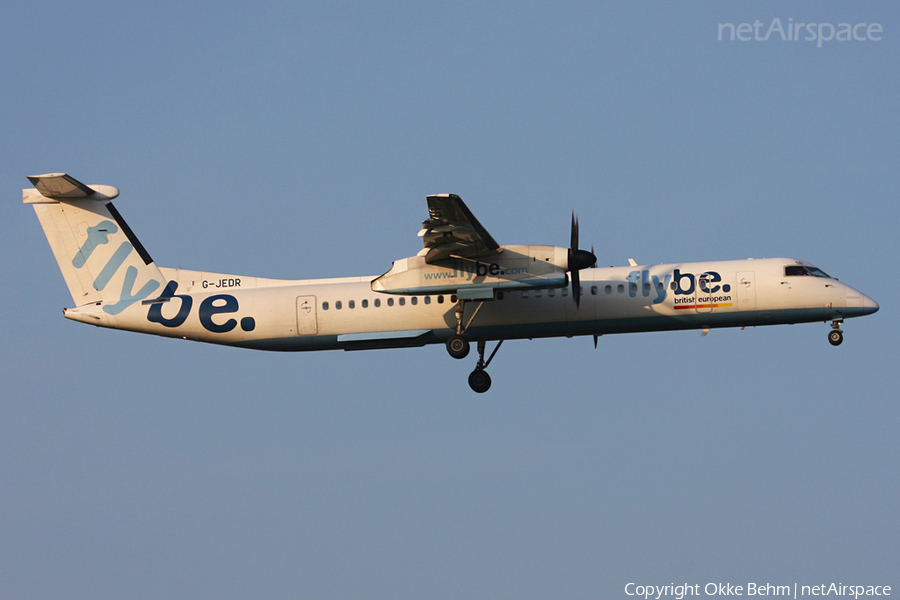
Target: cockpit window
pixel 795 270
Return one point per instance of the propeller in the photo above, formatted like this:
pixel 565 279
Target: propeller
pixel 578 259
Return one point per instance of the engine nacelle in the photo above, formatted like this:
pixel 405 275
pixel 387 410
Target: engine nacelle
pixel 511 268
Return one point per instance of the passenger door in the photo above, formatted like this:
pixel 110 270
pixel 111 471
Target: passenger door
pixel 704 299
pixel 746 290
pixel 306 316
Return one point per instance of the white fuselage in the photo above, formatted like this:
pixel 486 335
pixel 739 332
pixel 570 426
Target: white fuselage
pixel 347 314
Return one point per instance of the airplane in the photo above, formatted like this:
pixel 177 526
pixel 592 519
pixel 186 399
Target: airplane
pixel 462 287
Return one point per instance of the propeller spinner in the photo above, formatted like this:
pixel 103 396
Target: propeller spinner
pixel 578 259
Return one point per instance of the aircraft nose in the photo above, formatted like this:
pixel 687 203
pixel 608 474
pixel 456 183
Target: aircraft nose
pixel 857 304
pixel 869 306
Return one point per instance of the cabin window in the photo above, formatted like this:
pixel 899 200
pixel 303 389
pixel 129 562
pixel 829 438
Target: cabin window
pixel 440 299
pixel 674 286
pixel 525 294
pixel 324 306
pixel 800 270
pixel 427 299
pixel 608 289
pixel 401 301
pixel 351 304
pixel 414 300
pixel 537 293
pixel 499 295
pixel 390 301
pixel 365 303
pixel 377 302
pixel 551 293
pixel 594 290
pixel 338 305
pixel 564 291
pixel 633 288
pixel 647 287
pixel 659 286
pixel 620 289
pixel 453 298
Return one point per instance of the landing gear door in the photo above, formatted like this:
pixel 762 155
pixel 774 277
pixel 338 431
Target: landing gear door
pixel 306 315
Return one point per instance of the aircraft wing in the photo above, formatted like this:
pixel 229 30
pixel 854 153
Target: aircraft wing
pixel 452 230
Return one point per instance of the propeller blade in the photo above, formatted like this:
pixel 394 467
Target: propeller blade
pixel 577 260
pixel 576 288
pixel 574 244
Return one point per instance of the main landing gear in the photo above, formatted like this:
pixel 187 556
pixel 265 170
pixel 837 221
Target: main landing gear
pixel 479 380
pixel 458 347
pixel 835 336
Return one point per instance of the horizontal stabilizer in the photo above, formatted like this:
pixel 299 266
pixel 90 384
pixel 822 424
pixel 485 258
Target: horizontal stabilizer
pixel 60 186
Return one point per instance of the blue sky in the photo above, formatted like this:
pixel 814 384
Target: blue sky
pixel 299 140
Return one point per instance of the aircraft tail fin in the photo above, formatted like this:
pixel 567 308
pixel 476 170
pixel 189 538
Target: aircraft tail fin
pixel 100 258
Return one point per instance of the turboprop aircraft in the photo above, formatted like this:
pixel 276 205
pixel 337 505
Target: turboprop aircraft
pixel 461 287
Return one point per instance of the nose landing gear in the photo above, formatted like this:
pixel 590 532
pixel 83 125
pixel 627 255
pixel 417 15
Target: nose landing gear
pixel 835 336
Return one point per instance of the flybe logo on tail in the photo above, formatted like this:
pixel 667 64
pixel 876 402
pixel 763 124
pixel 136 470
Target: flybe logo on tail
pixel 210 307
pixel 97 236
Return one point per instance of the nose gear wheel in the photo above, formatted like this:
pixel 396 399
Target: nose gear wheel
pixel 835 336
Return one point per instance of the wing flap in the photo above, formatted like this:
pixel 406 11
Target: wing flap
pixel 452 230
